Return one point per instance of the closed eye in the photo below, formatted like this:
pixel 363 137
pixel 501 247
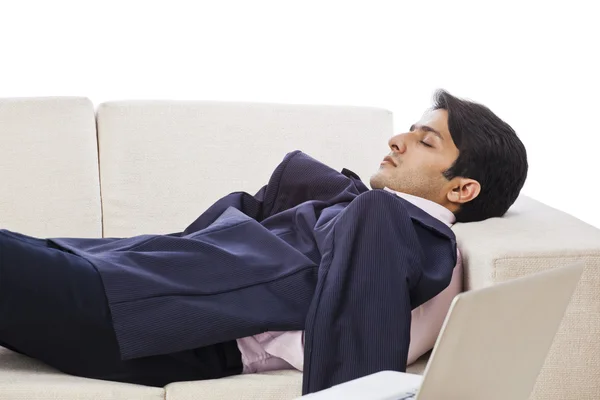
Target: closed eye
pixel 425 144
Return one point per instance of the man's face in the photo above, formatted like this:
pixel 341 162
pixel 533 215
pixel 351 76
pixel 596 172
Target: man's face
pixel 419 158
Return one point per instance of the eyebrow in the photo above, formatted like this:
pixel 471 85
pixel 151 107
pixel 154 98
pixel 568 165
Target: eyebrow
pixel 426 129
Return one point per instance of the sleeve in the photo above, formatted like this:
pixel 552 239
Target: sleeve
pixel 360 316
pixel 289 346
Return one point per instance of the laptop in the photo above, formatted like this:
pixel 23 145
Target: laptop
pixel 492 345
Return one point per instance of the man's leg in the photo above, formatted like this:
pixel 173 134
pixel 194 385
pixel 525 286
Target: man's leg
pixel 53 308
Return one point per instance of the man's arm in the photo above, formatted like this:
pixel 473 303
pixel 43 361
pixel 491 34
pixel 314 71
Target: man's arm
pixel 297 179
pixel 378 263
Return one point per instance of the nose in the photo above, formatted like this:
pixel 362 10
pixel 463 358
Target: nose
pixel 397 143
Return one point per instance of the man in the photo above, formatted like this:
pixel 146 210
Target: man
pixel 315 271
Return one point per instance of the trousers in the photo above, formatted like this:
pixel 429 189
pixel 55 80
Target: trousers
pixel 53 308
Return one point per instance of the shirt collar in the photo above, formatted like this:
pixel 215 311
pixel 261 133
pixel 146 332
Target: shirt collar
pixel 430 207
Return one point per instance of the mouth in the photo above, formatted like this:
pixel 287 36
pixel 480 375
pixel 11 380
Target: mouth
pixel 388 160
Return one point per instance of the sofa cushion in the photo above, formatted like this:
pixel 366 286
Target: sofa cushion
pixel 24 378
pixel 49 167
pixel 274 385
pixel 164 162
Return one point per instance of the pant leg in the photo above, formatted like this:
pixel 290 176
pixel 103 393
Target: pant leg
pixel 53 308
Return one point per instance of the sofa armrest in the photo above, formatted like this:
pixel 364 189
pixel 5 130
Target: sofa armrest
pixel 534 237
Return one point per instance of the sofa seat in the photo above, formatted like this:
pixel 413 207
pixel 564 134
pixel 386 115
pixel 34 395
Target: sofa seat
pixel 24 378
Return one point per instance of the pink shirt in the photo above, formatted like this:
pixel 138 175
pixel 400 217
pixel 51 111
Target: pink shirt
pixel 285 350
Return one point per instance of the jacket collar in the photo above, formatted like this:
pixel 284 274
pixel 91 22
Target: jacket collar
pixel 430 207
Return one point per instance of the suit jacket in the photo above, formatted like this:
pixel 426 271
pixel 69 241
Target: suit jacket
pixel 291 257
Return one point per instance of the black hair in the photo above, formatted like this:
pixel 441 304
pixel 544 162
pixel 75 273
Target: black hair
pixel 489 152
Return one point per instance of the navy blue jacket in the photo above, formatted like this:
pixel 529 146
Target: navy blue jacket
pixel 313 250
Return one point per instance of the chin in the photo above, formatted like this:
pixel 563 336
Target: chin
pixel 378 181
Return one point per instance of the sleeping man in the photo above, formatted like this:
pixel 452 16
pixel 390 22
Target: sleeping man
pixel 314 272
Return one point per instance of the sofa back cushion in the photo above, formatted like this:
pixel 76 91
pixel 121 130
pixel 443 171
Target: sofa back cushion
pixel 49 167
pixel 162 163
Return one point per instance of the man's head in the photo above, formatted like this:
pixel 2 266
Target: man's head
pixel 459 155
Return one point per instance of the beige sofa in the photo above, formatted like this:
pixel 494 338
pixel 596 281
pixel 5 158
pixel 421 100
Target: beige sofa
pixel 132 167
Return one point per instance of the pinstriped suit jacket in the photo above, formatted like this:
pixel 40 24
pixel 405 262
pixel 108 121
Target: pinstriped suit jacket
pixel 314 249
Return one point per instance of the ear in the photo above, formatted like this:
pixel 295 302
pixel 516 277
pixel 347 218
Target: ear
pixel 463 191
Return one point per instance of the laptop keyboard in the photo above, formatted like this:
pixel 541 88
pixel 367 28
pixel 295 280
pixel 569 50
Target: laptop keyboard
pixel 408 395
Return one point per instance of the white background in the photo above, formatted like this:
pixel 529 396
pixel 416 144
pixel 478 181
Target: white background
pixel 535 64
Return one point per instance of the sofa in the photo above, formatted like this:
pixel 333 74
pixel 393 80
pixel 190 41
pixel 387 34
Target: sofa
pixel 121 168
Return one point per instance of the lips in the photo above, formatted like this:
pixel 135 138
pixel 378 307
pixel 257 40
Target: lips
pixel 390 160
